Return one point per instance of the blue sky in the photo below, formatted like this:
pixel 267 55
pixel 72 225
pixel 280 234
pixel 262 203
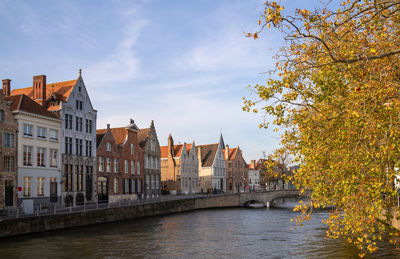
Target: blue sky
pixel 184 64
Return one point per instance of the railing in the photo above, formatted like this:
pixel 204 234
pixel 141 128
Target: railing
pixel 89 206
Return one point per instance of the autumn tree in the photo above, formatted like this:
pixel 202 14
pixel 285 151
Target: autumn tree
pixel 334 94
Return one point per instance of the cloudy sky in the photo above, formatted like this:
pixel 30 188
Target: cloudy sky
pixel 184 64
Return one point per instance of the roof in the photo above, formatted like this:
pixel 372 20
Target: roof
pixel 208 153
pixel 61 90
pixel 99 138
pixel 142 135
pixel 177 150
pixel 119 134
pixel 22 102
pixel 232 153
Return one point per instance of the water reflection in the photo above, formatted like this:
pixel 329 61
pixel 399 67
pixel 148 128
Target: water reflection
pixel 227 233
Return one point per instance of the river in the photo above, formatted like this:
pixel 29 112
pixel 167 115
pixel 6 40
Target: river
pixel 218 233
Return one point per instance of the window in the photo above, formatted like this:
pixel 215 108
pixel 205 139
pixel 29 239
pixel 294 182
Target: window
pixel 147 181
pixel 132 149
pixel 108 146
pixel 126 186
pixel 8 140
pixel 53 157
pixel 101 164
pixel 53 135
pixel 78 146
pixel 40 186
pixel 28 155
pixel 115 185
pixel 152 182
pixel 28 130
pixel 40 156
pixel 41 132
pixel 126 166
pixel 79 105
pixel 9 163
pixel 68 177
pixel 88 126
pixel 1 115
pixel 146 162
pixel 78 124
pixel 88 148
pixel 27 186
pixel 153 162
pixel 153 145
pixel 108 164
pixel 68 121
pixel 79 177
pixel 116 166
pixel 68 145
pixel 138 167
pixel 132 167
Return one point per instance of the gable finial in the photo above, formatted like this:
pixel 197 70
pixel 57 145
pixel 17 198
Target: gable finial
pixel 80 72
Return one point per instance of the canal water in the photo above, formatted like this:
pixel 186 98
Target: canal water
pixel 218 233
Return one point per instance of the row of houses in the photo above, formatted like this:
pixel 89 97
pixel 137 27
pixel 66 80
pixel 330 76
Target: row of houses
pixel 53 154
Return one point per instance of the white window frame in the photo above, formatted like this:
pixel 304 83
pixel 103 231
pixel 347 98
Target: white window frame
pixel 28 130
pixel 41 132
pixel 53 132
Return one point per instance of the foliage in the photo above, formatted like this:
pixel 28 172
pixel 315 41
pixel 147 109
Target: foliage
pixel 335 94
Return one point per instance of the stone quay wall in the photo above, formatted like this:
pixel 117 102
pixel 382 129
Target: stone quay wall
pixel 27 225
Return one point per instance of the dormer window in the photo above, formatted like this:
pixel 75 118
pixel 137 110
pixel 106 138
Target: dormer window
pixel 108 146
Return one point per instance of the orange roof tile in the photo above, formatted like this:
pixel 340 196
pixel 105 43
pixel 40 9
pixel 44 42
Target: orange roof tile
pixel 119 134
pixel 177 150
pixel 232 153
pixel 22 102
pixel 61 91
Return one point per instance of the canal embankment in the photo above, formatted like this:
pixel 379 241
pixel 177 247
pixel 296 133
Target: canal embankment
pixel 35 224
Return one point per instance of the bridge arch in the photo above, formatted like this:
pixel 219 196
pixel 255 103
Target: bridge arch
pixel 266 197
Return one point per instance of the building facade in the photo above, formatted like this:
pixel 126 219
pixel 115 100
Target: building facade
pixel 237 172
pixel 69 100
pixel 8 152
pixel 254 177
pixel 212 171
pixel 179 168
pixel 128 178
pixel 150 146
pixel 39 154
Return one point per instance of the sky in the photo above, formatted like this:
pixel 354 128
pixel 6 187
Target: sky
pixel 184 64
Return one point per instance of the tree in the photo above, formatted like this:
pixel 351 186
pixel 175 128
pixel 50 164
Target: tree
pixel 335 95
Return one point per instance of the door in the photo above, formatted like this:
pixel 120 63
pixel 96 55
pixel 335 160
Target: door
pixel 53 192
pixel 9 191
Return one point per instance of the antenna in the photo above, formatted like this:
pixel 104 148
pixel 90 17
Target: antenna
pixel 263 153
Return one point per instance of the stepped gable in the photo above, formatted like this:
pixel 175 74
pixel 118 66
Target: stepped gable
pixel 22 102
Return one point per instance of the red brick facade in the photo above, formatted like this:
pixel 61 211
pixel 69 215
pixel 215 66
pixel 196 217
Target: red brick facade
pixel 119 162
pixel 237 171
pixel 8 173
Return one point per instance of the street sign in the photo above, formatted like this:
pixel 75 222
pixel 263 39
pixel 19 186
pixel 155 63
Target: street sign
pixel 19 190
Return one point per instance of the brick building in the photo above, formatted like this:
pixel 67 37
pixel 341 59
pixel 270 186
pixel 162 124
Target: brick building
pixel 152 154
pixel 8 131
pixel 69 101
pixel 237 171
pixel 179 168
pixel 128 177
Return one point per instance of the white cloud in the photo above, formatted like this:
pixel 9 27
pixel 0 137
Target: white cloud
pixel 123 64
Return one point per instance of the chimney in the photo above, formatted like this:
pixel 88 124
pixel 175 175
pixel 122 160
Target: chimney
pixel 6 87
pixel 253 164
pixel 132 121
pixel 227 151
pixel 199 155
pixel 39 89
pixel 108 126
pixel 170 146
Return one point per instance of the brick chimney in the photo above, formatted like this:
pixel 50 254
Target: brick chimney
pixel 108 126
pixel 39 89
pixel 227 151
pixel 253 164
pixel 170 146
pixel 6 87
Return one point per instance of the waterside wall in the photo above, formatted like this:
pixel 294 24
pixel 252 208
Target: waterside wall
pixel 20 226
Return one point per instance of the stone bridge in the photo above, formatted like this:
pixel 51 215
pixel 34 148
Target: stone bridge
pixel 266 197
